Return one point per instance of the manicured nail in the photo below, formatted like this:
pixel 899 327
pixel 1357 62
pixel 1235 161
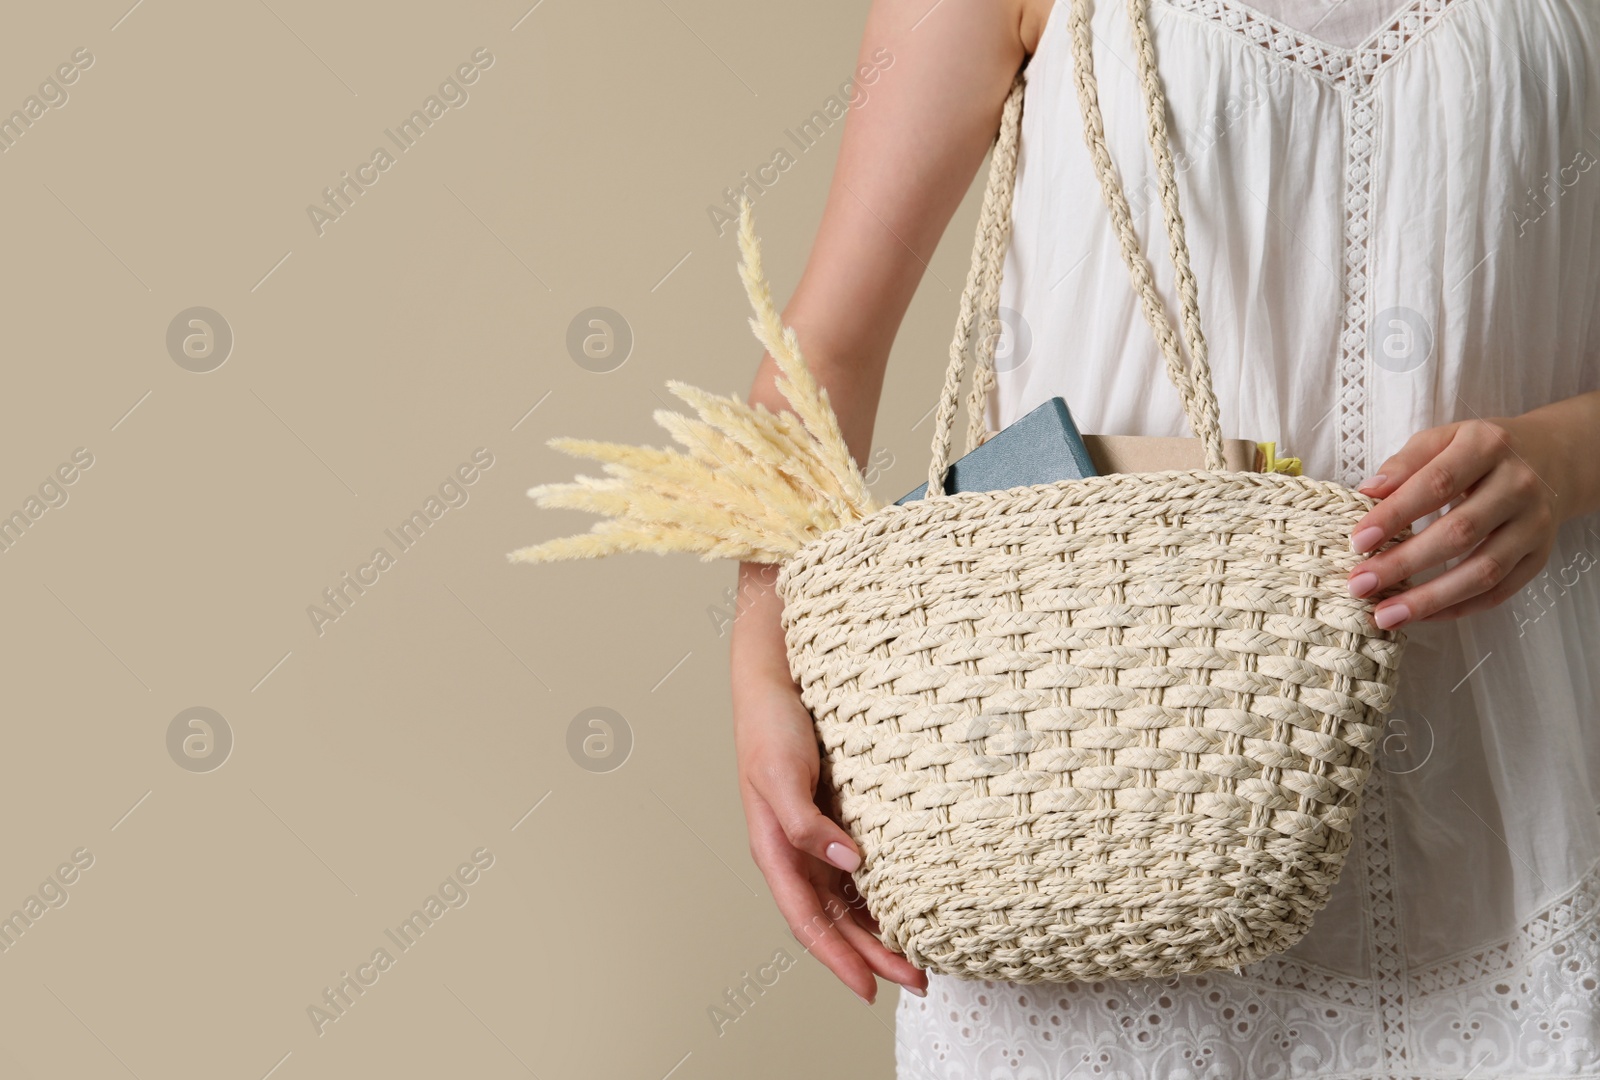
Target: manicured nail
pixel 842 857
pixel 918 991
pixel 1371 482
pixel 1363 583
pixel 1390 617
pixel 1366 538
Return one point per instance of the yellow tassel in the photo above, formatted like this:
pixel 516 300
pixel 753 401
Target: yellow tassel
pixel 1274 463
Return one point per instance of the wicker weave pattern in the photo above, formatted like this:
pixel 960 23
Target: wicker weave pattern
pixel 1105 727
pixel 1114 727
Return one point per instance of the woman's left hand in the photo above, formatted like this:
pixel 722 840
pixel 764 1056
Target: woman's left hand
pixel 1511 486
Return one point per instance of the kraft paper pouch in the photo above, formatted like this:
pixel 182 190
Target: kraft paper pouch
pixel 1153 453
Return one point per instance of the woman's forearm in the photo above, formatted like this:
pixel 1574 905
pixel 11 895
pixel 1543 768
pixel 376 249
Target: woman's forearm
pixel 906 159
pixel 1574 423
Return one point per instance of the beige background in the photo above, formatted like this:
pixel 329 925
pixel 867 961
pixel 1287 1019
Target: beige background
pixel 368 362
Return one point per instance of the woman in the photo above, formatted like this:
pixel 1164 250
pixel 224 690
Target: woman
pixel 1395 225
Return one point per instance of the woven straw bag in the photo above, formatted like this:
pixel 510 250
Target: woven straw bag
pixel 1102 728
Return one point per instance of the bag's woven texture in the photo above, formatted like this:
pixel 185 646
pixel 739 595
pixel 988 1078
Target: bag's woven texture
pixel 1113 727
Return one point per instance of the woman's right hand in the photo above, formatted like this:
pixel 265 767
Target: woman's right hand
pixel 804 855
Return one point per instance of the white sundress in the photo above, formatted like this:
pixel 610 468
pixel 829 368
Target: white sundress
pixel 1392 212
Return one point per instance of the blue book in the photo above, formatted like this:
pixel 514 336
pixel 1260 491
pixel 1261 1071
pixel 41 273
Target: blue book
pixel 1040 448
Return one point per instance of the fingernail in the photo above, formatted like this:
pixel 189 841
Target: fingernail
pixel 842 857
pixel 1363 583
pixel 1390 617
pixel 862 996
pixel 1371 482
pixel 1365 539
pixel 918 991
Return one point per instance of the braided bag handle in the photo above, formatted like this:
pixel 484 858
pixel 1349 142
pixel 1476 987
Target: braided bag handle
pixel 980 298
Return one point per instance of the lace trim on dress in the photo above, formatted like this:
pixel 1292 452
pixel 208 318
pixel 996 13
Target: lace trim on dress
pixel 1385 942
pixel 1361 121
pixel 1519 1008
pixel 1566 917
pixel 1551 930
pixel 1384 990
pixel 1353 67
pixel 1353 72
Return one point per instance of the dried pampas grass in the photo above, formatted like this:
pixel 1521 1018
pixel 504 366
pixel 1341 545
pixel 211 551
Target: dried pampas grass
pixel 749 484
